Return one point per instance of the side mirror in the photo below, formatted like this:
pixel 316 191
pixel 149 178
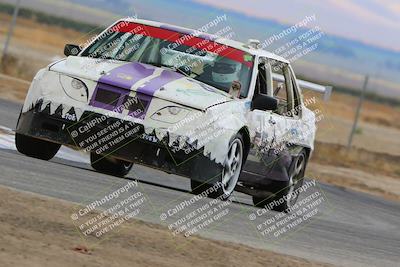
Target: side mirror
pixel 71 50
pixel 264 103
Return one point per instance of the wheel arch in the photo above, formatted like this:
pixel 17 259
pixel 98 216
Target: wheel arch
pixel 308 152
pixel 244 131
pixel 298 150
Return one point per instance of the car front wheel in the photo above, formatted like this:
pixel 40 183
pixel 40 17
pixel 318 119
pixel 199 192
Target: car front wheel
pixel 230 174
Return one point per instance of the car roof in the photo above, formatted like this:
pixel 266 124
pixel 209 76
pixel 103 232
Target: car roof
pixel 223 41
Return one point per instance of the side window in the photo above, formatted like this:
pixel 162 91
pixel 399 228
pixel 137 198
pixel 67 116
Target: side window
pixel 296 99
pixel 282 87
pixel 280 92
pixel 262 83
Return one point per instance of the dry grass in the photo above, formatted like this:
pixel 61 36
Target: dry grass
pixel 356 158
pixel 12 89
pixel 344 106
pixel 41 37
pixel 35 45
pixel 19 67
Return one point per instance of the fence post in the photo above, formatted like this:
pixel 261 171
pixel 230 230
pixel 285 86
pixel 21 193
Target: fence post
pixel 356 119
pixel 10 31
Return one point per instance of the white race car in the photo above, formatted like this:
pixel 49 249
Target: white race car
pixel 225 114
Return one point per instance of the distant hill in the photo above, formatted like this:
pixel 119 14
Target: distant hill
pixel 356 56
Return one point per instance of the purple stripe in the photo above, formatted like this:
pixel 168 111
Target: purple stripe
pixel 146 92
pixel 127 75
pixel 121 79
pixel 155 84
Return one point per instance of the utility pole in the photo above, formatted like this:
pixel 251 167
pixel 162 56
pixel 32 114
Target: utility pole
pixel 360 103
pixel 10 31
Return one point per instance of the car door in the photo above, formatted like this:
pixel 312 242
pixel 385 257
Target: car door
pixel 270 127
pixel 283 91
pixel 297 130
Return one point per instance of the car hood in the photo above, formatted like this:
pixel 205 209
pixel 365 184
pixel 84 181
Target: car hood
pixel 146 79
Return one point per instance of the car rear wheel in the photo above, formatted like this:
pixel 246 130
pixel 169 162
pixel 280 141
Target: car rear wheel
pixel 230 174
pixel 286 191
pixel 36 148
pixel 109 165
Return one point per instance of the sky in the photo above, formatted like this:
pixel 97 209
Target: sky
pixel 375 22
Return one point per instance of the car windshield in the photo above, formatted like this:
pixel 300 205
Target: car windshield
pixel 194 55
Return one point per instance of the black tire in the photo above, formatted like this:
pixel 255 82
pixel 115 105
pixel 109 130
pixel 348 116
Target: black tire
pixel 285 189
pixel 36 148
pixel 223 189
pixel 110 166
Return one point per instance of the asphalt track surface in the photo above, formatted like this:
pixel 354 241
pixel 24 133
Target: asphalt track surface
pixel 350 228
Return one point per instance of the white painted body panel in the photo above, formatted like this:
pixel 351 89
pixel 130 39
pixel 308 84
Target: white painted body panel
pixel 205 105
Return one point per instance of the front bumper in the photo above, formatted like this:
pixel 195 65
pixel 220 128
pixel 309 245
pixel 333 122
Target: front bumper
pixel 117 138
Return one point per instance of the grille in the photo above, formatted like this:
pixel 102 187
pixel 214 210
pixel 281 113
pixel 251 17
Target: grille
pixel 135 104
pixel 117 99
pixel 107 97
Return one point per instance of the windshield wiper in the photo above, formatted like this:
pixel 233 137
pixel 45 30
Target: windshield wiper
pixel 181 70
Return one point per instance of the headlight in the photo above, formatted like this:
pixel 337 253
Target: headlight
pixel 172 114
pixel 174 110
pixel 77 84
pixel 74 88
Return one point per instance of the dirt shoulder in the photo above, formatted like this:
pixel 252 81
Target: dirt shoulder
pixel 38 231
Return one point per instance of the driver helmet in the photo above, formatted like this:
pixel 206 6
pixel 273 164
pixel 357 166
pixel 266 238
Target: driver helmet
pixel 226 71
